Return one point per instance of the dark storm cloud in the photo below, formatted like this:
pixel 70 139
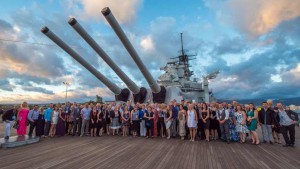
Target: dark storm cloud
pixel 5 85
pixel 37 89
pixel 25 79
pixel 235 45
pixel 4 26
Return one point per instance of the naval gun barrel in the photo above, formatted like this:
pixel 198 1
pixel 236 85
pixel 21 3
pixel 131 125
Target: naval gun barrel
pixel 81 31
pixel 114 88
pixel 118 30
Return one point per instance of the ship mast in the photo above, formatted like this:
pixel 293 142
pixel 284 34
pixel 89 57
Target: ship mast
pixel 184 60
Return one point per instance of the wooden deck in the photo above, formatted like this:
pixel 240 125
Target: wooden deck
pixel 127 152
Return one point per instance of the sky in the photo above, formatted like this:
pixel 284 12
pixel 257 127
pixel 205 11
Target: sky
pixel 255 44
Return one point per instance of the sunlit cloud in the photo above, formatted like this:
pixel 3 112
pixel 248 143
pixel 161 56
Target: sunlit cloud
pixel 124 11
pixel 255 17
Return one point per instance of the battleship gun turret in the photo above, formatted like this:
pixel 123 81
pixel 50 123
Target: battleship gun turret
pixel 175 83
pixel 158 92
pixel 113 87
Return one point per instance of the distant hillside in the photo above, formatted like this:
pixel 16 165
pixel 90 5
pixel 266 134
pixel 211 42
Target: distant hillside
pixel 286 101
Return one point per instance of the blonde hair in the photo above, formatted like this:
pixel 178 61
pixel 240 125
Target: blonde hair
pixel 24 105
pixel 270 101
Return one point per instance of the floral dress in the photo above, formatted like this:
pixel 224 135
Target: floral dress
pixel 182 119
pixel 234 135
pixel 238 125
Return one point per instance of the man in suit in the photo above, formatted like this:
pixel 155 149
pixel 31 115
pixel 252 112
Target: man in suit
pixel 77 119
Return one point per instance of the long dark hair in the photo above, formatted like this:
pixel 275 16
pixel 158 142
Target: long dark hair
pixel 253 107
pixel 206 107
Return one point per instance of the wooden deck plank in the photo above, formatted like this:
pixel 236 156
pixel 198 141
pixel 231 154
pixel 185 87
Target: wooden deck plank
pixel 127 152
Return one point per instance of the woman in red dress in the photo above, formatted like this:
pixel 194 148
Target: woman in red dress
pixel 22 118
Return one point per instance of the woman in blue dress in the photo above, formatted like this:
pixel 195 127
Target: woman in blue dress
pixel 234 136
pixel 115 121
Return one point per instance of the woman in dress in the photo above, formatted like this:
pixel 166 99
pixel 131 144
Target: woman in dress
pixel 149 116
pixel 94 121
pixel 252 119
pixel 54 119
pixel 182 121
pixel 39 130
pixel 108 112
pixel 204 115
pixel 70 119
pixel 168 119
pixel 155 109
pixel 101 121
pixel 115 121
pixel 22 118
pixel 192 120
pixel 125 120
pixel 234 135
pixel 161 126
pixel 61 122
pixel 134 120
pixel 213 121
pixel 240 123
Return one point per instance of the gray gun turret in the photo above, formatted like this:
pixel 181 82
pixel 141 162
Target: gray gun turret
pixel 114 88
pixel 80 30
pixel 118 30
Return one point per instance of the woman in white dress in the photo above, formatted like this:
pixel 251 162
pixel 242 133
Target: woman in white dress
pixel 192 120
pixel 240 123
pixel 54 119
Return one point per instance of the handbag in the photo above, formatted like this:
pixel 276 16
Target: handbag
pixel 16 125
pixel 148 123
pixel 248 123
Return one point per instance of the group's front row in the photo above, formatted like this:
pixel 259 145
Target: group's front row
pixel 232 122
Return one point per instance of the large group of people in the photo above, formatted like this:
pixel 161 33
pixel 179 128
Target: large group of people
pixel 186 120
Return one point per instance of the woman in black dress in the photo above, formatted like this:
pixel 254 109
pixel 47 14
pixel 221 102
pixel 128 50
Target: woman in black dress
pixel 213 122
pixel 101 121
pixel 107 118
pixel 39 130
pixel 204 115
pixel 61 125
pixel 94 121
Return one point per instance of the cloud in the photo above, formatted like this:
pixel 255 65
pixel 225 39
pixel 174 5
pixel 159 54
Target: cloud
pixel 236 45
pixel 255 17
pixel 37 89
pixel 5 25
pixel 147 44
pixel 5 85
pixel 124 11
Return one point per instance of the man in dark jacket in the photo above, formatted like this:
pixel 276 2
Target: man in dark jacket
pixel 77 120
pixel 266 121
pixel 8 117
pixel 287 120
